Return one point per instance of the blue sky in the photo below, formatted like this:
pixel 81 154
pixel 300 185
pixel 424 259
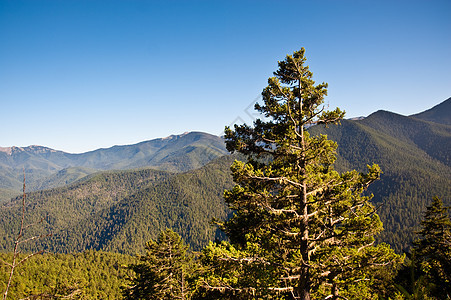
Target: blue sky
pixel 79 75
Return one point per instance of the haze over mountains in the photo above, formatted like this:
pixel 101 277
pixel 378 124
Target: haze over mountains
pixel 121 210
pixel 47 168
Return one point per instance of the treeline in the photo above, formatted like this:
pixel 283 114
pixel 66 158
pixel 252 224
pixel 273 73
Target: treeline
pixel 186 202
pixel 46 168
pixel 66 206
pixel 116 211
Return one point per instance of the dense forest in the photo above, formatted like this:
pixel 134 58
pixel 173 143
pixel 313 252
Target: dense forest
pixel 343 210
pixel 121 210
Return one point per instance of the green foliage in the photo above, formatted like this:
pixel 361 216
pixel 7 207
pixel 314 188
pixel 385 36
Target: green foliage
pixel 411 283
pixel 165 272
pixel 298 226
pixel 120 211
pixel 432 251
pixel 231 273
pixel 86 275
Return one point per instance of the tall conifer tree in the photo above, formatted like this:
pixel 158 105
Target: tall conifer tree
pixel 298 226
pixel 432 251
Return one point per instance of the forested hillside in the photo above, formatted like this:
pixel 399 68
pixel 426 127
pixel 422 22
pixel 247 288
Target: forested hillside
pixel 121 210
pixel 414 157
pixel 273 220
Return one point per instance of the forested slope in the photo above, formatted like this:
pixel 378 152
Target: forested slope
pixel 121 210
pixel 415 158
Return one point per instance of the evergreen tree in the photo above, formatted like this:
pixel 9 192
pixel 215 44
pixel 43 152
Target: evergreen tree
pixel 298 226
pixel 164 272
pixel 432 251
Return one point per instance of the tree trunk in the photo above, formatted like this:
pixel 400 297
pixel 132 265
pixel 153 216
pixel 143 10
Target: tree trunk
pixel 335 292
pixel 304 284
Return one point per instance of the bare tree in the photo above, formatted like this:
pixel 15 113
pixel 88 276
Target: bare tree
pixel 16 261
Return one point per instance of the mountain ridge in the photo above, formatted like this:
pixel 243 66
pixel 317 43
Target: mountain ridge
pixel 437 114
pixel 175 153
pixel 44 149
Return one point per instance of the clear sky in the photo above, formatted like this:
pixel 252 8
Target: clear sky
pixel 77 75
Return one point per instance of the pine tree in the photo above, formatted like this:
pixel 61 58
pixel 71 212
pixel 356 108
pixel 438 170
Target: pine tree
pixel 298 226
pixel 164 272
pixel 432 251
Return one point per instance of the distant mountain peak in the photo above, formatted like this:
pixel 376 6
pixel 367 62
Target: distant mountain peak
pixel 172 136
pixel 7 150
pixel 32 148
pixel 176 153
pixel 357 118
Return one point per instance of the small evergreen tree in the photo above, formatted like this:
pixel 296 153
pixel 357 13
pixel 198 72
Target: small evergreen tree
pixel 164 272
pixel 432 251
pixel 299 226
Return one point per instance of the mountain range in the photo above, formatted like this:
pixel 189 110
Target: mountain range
pixel 47 168
pixel 120 210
